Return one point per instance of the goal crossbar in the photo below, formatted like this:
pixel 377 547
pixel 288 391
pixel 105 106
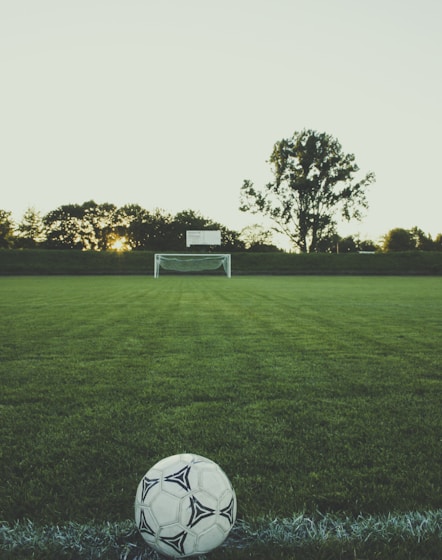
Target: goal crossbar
pixel 192 262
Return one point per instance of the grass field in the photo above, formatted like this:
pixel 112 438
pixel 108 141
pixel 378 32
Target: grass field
pixel 318 396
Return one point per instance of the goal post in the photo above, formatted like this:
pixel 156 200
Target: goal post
pixel 188 262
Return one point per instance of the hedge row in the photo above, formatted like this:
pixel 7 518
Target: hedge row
pixel 49 262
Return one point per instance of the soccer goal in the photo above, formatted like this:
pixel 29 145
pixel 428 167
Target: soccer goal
pixel 186 262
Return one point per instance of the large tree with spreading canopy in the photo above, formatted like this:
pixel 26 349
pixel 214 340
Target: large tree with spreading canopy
pixel 315 182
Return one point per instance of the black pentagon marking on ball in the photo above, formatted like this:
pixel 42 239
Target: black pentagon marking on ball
pixel 181 478
pixel 198 511
pixel 176 542
pixel 144 526
pixel 148 483
pixel 227 512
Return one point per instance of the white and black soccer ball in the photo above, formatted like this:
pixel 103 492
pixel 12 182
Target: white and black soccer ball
pixel 185 505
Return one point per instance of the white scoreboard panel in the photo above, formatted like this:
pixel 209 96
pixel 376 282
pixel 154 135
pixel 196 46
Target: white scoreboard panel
pixel 203 237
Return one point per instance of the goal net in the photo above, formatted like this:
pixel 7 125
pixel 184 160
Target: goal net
pixel 182 262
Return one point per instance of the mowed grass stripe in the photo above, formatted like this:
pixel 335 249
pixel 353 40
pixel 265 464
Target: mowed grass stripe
pixel 313 393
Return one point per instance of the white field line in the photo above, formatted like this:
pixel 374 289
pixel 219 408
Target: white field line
pixel 122 540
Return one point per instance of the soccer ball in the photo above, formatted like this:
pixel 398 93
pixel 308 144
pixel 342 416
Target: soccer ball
pixel 185 506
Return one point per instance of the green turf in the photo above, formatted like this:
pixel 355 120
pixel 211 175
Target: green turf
pixel 313 393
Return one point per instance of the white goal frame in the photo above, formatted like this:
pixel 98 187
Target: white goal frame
pixel 157 260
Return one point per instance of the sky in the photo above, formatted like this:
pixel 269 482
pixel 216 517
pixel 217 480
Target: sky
pixel 172 104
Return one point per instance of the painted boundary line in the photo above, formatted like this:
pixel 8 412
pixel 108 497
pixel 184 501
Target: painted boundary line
pixel 96 541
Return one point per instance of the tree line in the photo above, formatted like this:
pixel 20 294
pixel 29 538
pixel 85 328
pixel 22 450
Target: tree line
pixel 103 227
pixel 314 185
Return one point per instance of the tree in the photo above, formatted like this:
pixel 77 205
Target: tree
pixel 98 225
pixel 6 230
pixel 353 244
pixel 89 226
pixel 414 239
pixel 161 235
pixel 348 244
pixel 31 230
pixel 64 227
pixel 258 239
pixel 230 239
pixel 132 220
pixel 329 244
pixel 398 239
pixel 368 245
pixel 314 181
pixel 421 241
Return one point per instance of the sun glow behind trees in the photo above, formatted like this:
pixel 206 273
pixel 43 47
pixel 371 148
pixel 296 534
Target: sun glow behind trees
pixel 120 244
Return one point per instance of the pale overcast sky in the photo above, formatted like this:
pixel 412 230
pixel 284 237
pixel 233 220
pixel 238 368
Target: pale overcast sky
pixel 173 103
